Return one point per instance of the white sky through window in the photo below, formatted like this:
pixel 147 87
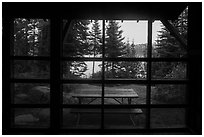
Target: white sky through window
pixel 137 31
pixel 133 30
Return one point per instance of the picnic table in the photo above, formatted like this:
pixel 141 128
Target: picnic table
pixel 113 93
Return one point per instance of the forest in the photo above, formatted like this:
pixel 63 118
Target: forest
pixel 84 39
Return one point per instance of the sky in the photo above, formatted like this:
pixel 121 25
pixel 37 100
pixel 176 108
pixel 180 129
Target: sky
pixel 134 31
pixel 137 31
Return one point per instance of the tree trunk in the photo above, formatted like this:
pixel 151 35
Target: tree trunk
pixel 93 69
pixel 93 66
pixel 112 70
pixel 66 70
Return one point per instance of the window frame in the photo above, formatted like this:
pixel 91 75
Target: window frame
pixel 56 81
pixel 147 82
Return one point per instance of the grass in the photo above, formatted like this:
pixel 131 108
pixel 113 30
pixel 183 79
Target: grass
pixel 167 117
pixel 160 117
pixel 110 120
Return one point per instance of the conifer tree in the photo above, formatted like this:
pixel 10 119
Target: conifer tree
pixel 95 38
pixel 31 39
pixel 132 69
pixel 114 46
pixel 168 47
pixel 76 45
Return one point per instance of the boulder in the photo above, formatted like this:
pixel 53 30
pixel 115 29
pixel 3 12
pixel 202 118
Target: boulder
pixel 21 98
pixel 40 94
pixel 44 115
pixel 25 119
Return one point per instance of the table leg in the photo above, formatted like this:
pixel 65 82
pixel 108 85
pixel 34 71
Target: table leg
pixel 78 119
pixel 129 101
pixel 79 100
pixel 131 118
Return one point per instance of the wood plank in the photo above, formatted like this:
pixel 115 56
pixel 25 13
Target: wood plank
pixel 109 93
pixel 108 111
pixel 105 96
pixel 106 89
pixel 175 33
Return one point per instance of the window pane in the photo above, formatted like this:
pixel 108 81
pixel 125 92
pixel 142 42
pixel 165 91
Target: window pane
pixel 31 69
pixel 125 70
pixel 124 118
pixel 83 38
pixel 81 118
pixel 31 37
pixel 127 39
pixel 82 69
pixel 167 118
pixel 32 93
pixel 120 94
pixel 168 94
pixel 82 93
pixel 31 117
pixel 169 70
pixel 165 45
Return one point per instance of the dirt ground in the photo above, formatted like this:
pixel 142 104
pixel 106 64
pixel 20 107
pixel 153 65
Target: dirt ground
pixel 160 117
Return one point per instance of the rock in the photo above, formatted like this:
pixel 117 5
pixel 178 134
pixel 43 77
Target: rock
pixel 26 118
pixel 43 89
pixel 40 94
pixel 21 98
pixel 21 95
pixel 44 114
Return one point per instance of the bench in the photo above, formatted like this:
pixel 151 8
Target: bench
pixel 106 111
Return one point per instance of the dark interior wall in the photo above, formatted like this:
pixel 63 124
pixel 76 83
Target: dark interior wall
pixel 195 68
pixel 97 10
pixel 122 11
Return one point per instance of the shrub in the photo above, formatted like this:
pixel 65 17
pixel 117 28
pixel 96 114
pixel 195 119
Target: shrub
pixel 172 93
pixel 68 88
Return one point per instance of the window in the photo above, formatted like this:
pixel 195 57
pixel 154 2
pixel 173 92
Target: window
pixel 92 65
pixel 30 73
pixel 72 75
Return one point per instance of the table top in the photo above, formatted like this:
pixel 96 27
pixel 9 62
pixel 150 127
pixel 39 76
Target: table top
pixel 109 93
